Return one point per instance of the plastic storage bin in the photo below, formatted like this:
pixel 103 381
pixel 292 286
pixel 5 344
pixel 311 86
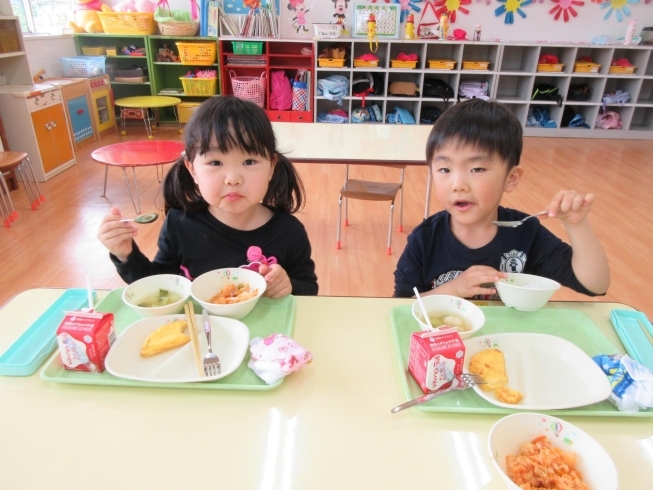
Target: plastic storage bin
pixel 199 86
pixel 94 50
pixel 247 47
pixel 127 22
pixel 202 54
pixel 403 64
pixel 186 109
pixel 476 65
pixel 327 31
pixel 587 67
pixel 331 62
pixel 365 63
pixel 249 88
pixel 83 66
pixel 550 66
pixel 624 70
pixel 442 64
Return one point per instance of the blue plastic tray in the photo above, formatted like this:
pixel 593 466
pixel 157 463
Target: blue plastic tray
pixel 34 346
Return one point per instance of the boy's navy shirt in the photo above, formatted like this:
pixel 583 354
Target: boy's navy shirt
pixel 201 243
pixel 434 256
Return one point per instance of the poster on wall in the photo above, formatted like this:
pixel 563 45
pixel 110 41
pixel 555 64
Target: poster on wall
pixel 386 16
pixel 242 7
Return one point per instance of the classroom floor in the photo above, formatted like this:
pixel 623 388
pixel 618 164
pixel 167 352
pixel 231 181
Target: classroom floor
pixel 56 245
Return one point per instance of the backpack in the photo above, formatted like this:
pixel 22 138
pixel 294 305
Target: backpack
pixel 473 90
pixel 428 115
pixel 540 115
pixel 403 89
pixel 546 91
pixel 571 119
pixel 436 88
pixel 581 92
pixel 280 91
pixel 367 83
pixel 618 97
pixel 400 116
pixel 333 87
pixel 609 120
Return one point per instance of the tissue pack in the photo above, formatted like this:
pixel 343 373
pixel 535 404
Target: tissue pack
pixel 84 340
pixel 435 358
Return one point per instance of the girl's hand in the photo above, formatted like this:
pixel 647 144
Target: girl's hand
pixel 570 207
pixel 277 279
pixel 475 281
pixel 117 236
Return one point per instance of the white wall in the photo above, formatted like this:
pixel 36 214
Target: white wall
pixel 43 52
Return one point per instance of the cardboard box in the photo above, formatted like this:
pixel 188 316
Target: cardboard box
pixel 132 73
pixel 435 358
pixel 84 340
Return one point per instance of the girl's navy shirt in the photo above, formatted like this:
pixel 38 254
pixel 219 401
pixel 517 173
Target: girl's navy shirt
pixel 433 255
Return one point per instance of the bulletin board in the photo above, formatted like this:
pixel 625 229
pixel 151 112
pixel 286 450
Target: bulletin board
pixel 387 20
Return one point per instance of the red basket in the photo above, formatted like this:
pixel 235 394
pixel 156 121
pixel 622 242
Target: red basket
pixel 249 88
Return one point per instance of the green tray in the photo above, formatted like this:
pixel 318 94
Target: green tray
pixel 268 316
pixel 571 325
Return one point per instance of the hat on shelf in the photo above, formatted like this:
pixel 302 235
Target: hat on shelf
pixel 460 35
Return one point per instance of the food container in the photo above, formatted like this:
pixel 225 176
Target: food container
pixel 550 66
pixel 442 64
pixel 587 67
pixel 84 340
pixel 403 64
pixel 624 70
pixel 476 65
pixel 331 62
pixel 366 63
pixel 526 292
pixel 443 304
pixel 435 358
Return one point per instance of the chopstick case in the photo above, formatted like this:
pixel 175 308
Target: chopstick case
pixel 632 328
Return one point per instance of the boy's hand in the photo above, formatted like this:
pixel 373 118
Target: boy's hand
pixel 472 281
pixel 278 281
pixel 570 207
pixel 117 236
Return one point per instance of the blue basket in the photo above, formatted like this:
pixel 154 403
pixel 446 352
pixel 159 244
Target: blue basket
pixel 83 66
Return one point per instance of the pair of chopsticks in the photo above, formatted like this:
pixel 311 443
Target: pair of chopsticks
pixel 192 331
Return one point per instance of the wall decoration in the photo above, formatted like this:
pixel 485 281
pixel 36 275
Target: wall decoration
pixel 387 20
pixel 451 7
pixel 428 25
pixel 406 6
pixel 509 7
pixel 618 6
pixel 299 20
pixel 340 6
pixel 565 7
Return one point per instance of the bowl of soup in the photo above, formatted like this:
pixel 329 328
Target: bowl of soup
pixel 161 294
pixel 450 311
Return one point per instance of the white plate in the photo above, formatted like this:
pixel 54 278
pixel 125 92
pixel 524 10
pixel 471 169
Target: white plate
pixel 551 372
pixel 230 339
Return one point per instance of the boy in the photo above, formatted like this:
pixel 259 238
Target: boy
pixel 474 150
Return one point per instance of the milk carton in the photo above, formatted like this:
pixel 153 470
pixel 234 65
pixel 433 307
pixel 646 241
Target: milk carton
pixel 84 340
pixel 435 358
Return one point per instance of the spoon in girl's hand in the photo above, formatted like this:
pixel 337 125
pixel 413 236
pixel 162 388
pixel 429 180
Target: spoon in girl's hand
pixel 143 219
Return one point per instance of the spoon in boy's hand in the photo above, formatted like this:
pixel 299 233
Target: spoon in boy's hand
pixel 143 219
pixel 515 224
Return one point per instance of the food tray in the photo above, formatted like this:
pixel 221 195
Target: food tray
pixel 268 317
pixel 33 347
pixel 550 66
pixel 476 65
pixel 587 67
pixel 624 70
pixel 331 62
pixel 571 325
pixel 403 64
pixel 442 64
pixel 366 63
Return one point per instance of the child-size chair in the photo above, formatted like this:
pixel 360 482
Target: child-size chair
pixel 372 191
pixel 10 160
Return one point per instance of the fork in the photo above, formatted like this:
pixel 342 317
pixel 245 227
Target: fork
pixel 515 224
pixel 211 361
pixel 464 381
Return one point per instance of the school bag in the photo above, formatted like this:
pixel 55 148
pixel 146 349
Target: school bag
pixel 581 91
pixel 546 91
pixel 609 120
pixel 333 87
pixel 428 115
pixel 280 91
pixel 540 115
pixel 437 89
pixel 473 90
pixel 400 116
pixel 617 97
pixel 571 119
pixel 367 84
pixel 403 89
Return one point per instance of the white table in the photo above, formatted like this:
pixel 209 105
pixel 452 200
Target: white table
pixel 356 144
pixel 327 427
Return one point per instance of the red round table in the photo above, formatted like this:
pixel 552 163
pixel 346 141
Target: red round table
pixel 137 154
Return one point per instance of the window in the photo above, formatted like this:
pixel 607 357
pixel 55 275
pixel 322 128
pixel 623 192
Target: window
pixel 43 16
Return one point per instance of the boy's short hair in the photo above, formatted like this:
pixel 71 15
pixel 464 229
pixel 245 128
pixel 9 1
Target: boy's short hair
pixel 486 125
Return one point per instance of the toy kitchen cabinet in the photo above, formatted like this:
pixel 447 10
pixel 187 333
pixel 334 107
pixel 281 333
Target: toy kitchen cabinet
pixel 38 127
pixel 77 103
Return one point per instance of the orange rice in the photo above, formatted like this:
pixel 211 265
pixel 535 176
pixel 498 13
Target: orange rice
pixel 539 465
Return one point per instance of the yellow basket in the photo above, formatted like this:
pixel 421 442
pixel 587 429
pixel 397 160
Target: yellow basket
pixel 587 67
pixel 127 22
pixel 403 64
pixel 627 70
pixel 550 66
pixel 197 53
pixel 94 50
pixel 442 64
pixel 331 62
pixel 199 86
pixel 366 63
pixel 476 65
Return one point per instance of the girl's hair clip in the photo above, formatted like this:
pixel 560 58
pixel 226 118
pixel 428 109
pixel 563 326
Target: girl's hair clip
pixel 183 153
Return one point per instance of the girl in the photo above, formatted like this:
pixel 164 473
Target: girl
pixel 231 191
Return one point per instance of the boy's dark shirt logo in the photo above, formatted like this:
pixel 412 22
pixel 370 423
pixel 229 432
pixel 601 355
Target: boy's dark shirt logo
pixel 513 261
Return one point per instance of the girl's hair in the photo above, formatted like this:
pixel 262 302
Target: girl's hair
pixel 227 123
pixel 485 125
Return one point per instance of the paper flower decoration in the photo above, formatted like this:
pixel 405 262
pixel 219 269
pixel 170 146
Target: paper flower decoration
pixel 509 7
pixel 618 6
pixel 451 7
pixel 565 7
